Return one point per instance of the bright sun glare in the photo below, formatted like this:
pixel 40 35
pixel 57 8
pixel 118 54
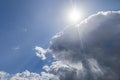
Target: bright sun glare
pixel 74 15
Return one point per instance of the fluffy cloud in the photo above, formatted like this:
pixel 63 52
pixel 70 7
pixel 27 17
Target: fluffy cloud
pixel 91 34
pixel 46 68
pixel 4 75
pixel 67 72
pixel 40 52
pixel 94 43
pixel 48 76
pixel 26 75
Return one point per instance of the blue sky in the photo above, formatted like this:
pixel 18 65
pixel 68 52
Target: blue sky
pixel 25 24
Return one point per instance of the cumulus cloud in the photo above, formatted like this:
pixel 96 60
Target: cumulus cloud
pixel 4 75
pixel 91 33
pixel 66 72
pixel 46 68
pixel 48 76
pixel 94 43
pixel 40 52
pixel 26 75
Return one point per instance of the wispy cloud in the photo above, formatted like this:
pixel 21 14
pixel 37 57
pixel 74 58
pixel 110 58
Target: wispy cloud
pixel 16 48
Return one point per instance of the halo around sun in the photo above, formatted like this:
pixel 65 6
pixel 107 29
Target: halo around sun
pixel 74 15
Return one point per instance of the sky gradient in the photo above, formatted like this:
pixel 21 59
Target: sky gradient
pixel 25 24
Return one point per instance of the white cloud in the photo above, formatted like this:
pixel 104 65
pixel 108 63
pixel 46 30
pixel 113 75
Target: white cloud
pixel 41 52
pixel 46 68
pixel 66 72
pixel 26 75
pixel 48 76
pixel 4 75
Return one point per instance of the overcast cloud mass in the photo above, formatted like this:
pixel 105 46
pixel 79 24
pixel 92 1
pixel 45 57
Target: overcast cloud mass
pixel 87 51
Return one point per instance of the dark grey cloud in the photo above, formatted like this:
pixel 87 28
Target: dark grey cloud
pixel 94 42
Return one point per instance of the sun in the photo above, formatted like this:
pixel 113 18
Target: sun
pixel 74 15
